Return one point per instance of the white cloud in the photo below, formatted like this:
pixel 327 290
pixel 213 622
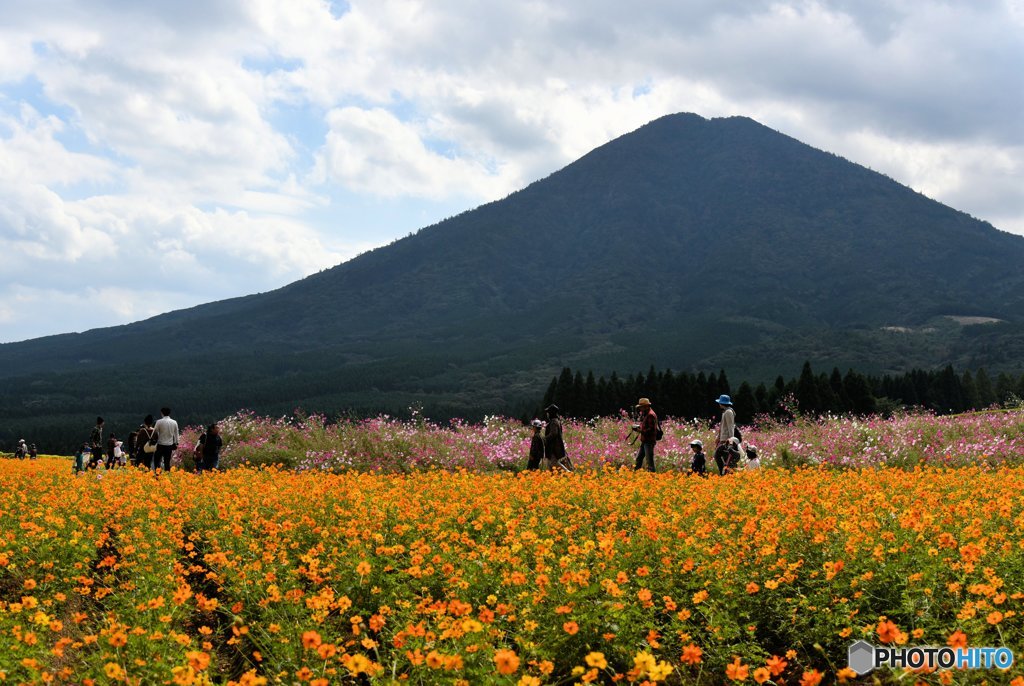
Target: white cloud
pixel 224 132
pixel 372 151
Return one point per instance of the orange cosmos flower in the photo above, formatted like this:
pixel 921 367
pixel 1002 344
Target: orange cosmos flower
pixel 887 631
pixel 692 655
pixel 811 678
pixel 776 665
pixel 506 661
pixel 737 671
pixel 197 660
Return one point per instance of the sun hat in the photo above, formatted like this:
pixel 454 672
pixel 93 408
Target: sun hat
pixel 642 402
pixel 697 442
pixel 552 409
pixel 724 400
pixel 734 441
pixel 537 423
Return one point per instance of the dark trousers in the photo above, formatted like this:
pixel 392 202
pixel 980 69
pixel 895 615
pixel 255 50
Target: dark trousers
pixel 645 454
pixel 162 457
pixel 207 463
pixel 96 457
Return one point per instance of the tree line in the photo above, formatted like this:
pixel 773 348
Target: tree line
pixel 684 394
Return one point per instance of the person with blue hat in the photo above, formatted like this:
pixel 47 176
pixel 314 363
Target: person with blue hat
pixel 726 430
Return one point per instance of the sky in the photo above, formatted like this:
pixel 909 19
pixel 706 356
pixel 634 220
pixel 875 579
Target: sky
pixel 159 154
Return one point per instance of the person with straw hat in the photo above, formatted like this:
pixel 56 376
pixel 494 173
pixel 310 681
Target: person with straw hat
pixel 648 430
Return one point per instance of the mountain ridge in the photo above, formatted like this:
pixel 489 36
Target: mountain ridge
pixel 687 243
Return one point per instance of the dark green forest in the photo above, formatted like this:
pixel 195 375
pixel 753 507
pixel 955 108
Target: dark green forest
pixel 689 396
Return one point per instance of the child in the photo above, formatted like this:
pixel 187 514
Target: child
pixel 753 461
pixel 80 458
pixel 536 445
pixel 700 462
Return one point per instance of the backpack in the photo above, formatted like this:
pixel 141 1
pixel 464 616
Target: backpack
pixel 659 434
pixel 149 446
pixel 737 433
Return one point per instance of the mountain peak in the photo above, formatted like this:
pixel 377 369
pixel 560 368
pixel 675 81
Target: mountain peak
pixel 687 243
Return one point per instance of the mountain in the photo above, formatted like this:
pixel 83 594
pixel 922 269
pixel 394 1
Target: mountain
pixel 688 243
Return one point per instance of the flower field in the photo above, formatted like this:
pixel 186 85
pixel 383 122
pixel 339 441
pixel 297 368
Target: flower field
pixel 388 445
pixel 303 577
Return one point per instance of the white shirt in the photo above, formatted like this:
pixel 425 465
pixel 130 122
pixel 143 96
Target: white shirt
pixel 754 464
pixel 166 431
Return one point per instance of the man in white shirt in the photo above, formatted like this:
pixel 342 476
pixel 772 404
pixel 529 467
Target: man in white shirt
pixel 166 440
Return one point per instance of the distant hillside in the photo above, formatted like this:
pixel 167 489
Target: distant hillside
pixel 689 243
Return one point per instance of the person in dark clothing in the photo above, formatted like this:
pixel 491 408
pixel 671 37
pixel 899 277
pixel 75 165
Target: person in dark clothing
pixel 79 465
pixel 147 436
pixel 536 445
pixel 731 456
pixel 699 465
pixel 208 449
pixel 132 439
pixel 111 450
pixel 554 446
pixel 648 430
pixel 33 453
pixel 96 443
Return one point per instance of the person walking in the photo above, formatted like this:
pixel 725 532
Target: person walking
pixel 79 466
pixel 112 443
pixel 145 443
pixel 554 445
pixel 208 449
pixel 131 447
pixel 726 430
pixel 167 437
pixel 699 465
pixel 96 444
pixel 648 430
pixel 536 445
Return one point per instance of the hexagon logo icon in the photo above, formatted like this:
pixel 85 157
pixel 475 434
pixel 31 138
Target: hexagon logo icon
pixel 861 657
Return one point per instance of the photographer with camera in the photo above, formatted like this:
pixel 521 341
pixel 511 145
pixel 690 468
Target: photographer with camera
pixel 648 431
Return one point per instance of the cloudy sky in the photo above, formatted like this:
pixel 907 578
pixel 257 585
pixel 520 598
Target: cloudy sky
pixel 157 154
